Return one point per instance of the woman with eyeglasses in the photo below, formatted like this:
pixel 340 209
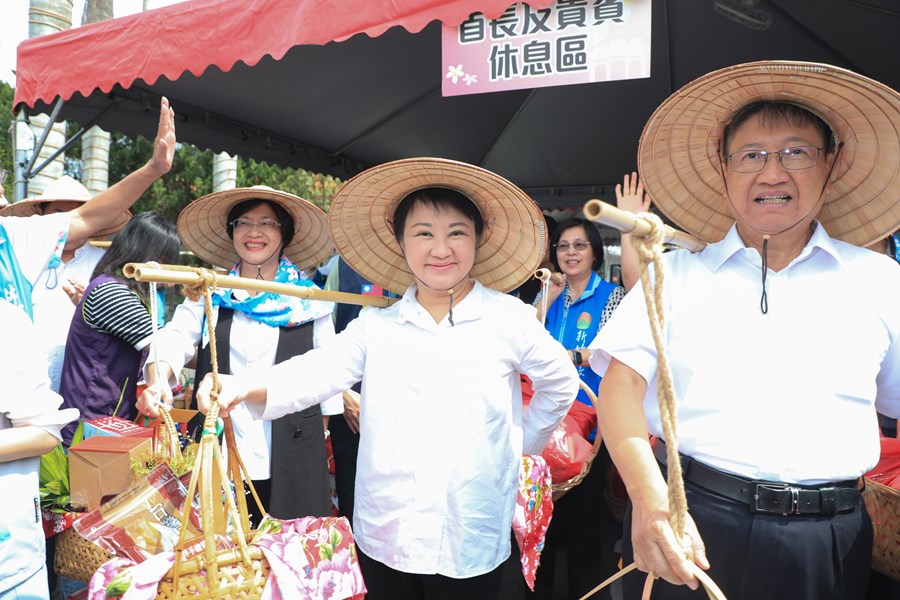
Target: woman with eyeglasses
pixel 266 234
pixel 577 305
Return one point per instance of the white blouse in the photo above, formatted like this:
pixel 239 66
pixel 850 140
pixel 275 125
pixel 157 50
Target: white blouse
pixel 442 428
pixel 253 345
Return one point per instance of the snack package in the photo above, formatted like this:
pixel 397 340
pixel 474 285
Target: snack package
pixel 566 452
pixel 143 520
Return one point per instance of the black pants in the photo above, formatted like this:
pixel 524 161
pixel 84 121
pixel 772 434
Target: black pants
pixel 579 551
pixel 771 557
pixel 385 583
pixel 345 447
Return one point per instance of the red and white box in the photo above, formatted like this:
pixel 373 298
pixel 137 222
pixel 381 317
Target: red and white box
pixel 115 427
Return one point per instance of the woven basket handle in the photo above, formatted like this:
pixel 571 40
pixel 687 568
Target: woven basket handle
pixel 210 473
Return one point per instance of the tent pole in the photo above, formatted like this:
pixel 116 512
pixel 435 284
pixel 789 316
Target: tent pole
pixel 54 115
pixel 23 137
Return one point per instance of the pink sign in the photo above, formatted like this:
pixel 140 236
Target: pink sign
pixel 572 41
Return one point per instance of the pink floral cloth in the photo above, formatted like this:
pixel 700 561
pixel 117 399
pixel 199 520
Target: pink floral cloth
pixel 310 559
pixel 534 508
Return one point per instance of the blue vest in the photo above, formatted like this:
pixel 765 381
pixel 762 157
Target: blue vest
pixel 577 326
pixel 14 287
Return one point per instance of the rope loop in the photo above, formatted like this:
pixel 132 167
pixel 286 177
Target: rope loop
pixel 206 283
pixel 650 251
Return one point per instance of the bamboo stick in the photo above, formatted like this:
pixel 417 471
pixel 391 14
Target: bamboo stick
pixel 191 276
pixel 626 222
pixel 547 275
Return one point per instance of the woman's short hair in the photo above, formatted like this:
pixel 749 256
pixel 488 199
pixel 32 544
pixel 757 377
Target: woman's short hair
pixel 440 199
pixel 593 235
pixel 281 215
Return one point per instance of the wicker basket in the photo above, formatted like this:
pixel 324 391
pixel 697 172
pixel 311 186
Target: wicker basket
pixel 560 489
pixel 235 579
pixel 76 557
pixel 883 504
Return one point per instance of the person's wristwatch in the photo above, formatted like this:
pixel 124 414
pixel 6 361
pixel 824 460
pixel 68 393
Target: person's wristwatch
pixel 576 357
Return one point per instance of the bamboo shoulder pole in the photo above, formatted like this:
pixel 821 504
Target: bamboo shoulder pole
pixel 626 222
pixel 192 276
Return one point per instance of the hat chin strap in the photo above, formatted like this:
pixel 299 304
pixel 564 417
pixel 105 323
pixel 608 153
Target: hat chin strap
pixel 449 290
pixel 764 298
pixel 264 261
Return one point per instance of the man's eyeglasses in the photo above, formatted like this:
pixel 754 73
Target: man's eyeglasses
pixel 579 245
pixel 262 225
pixel 793 158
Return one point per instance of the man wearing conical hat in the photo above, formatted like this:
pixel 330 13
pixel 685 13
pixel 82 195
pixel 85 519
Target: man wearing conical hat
pixel 782 335
pixel 45 258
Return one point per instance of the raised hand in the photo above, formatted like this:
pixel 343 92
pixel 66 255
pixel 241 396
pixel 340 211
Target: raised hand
pixel 630 195
pixel 164 145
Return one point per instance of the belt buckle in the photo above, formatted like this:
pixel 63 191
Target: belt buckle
pixel 774 487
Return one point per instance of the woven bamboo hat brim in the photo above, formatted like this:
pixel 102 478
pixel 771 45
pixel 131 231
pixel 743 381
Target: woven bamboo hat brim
pixel 64 189
pixel 678 155
pixel 513 242
pixel 202 227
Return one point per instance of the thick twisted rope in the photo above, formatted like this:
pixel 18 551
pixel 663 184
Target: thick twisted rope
pixel 650 250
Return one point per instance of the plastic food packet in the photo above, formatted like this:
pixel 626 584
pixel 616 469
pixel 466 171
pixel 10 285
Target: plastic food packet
pixel 143 520
pixel 566 452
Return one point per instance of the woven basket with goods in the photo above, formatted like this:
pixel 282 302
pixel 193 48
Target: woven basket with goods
pixel 228 560
pixel 882 498
pixel 78 558
pixel 560 488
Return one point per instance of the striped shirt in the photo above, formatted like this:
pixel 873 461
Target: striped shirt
pixel 115 309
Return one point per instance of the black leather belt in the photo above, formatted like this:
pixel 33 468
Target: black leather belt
pixel 769 497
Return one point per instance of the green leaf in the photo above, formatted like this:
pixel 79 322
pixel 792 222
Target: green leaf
pixel 119 584
pixel 335 538
pixel 326 551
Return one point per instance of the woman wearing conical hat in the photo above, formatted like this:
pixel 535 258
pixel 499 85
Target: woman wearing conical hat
pixel 441 423
pixel 265 234
pixel 783 334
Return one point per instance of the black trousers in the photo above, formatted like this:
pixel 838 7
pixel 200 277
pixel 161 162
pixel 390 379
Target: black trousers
pixel 579 551
pixel 385 583
pixel 771 557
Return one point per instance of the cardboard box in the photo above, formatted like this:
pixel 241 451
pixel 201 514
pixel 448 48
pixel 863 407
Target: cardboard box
pixel 100 467
pixel 115 427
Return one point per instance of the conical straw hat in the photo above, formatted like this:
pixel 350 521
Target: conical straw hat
pixel 361 213
pixel 678 156
pixel 203 230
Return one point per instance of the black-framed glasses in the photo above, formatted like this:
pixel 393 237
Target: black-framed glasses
pixel 793 158
pixel 263 224
pixel 579 245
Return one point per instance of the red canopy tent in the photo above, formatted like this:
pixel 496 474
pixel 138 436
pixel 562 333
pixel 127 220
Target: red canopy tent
pixel 335 86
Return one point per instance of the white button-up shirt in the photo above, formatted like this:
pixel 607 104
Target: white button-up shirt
pixel 441 424
pixel 786 396
pixel 253 346
pixel 26 400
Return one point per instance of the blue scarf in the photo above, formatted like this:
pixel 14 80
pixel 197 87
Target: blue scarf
pixel 14 287
pixel 276 310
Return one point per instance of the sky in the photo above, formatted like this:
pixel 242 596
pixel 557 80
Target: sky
pixel 14 26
